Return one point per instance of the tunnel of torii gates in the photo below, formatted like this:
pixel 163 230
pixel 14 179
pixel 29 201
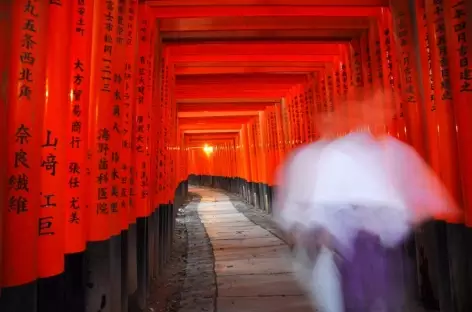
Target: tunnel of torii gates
pixel 110 107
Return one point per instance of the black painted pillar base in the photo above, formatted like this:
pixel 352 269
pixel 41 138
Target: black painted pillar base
pixel 51 294
pixel 124 271
pixel 170 230
pixel 458 267
pixel 115 273
pixel 151 248
pixel 20 298
pixel 253 198
pixel 269 199
pixel 262 197
pixel 75 282
pixel 257 195
pixel 98 292
pixel 157 247
pixel 162 225
pixel 138 298
pixel 132 276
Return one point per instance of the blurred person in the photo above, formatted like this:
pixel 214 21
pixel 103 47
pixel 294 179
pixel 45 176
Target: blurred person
pixel 349 202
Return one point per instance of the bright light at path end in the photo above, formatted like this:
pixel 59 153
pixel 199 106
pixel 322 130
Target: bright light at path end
pixel 208 149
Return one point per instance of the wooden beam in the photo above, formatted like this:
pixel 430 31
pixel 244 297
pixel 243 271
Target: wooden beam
pixel 214 127
pixel 202 137
pixel 220 107
pixel 254 48
pixel 262 23
pixel 342 3
pixel 254 58
pixel 228 79
pixel 261 10
pixel 206 95
pixel 222 90
pixel 214 120
pixel 322 35
pixel 180 70
pixel 203 114
pixel 210 141
pixel 227 130
pixel 268 100
pixel 216 135
pixel 249 63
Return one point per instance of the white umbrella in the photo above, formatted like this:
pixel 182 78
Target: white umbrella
pixel 380 185
pixel 295 186
pixel 296 179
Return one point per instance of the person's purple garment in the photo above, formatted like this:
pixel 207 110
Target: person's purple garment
pixel 372 273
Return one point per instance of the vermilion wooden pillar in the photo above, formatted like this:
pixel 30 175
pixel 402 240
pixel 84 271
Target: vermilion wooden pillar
pixel 280 131
pixel 407 61
pixel 54 183
pixel 366 65
pixel 77 195
pixel 5 36
pixel 129 186
pixel 442 117
pixel 458 24
pixel 389 69
pixel 143 98
pixel 26 97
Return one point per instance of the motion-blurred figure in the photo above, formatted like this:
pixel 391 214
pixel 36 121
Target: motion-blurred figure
pixel 349 202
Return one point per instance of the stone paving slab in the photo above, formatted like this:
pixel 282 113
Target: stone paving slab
pixel 246 242
pixel 263 304
pixel 258 285
pixel 233 264
pixel 234 254
pixel 238 232
pixel 252 266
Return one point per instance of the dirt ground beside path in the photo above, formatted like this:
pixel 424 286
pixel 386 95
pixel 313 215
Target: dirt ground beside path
pixel 166 290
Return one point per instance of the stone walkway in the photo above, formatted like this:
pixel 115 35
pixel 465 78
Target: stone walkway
pixel 233 264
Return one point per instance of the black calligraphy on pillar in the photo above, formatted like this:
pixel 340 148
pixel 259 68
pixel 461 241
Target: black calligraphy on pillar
pixel 76 129
pixel 18 181
pixel 126 118
pixel 440 34
pixel 368 63
pixel 104 134
pixel 388 53
pixel 131 17
pixel 21 159
pixel 403 35
pixel 76 99
pixel 344 79
pixel 45 226
pixel 116 113
pixel 132 194
pixel 80 26
pixel 460 31
pixel 120 29
pixel 106 75
pixel 337 76
pixel 357 68
pixel 430 64
pixel 378 56
pixel 27 52
pixel 49 161
pixel 103 141
pixel 46 223
pixel 329 92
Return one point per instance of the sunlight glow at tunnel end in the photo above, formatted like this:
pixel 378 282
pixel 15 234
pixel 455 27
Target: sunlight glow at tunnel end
pixel 208 149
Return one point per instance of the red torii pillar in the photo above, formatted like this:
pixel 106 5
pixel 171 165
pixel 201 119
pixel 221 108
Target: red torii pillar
pixel 26 98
